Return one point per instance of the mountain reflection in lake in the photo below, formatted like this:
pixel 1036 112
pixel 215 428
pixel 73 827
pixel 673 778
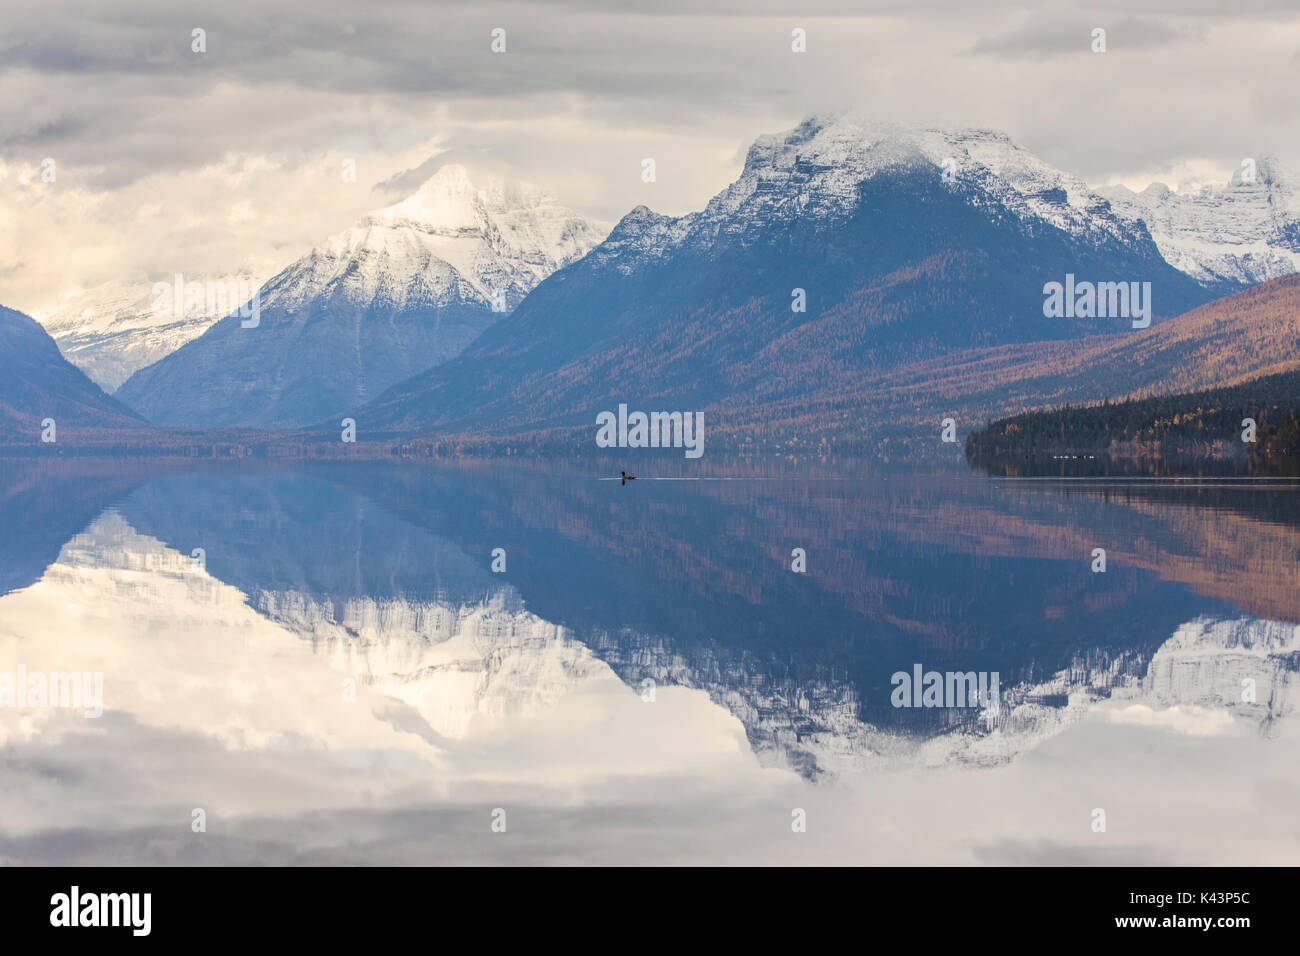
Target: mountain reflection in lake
pixel 324 662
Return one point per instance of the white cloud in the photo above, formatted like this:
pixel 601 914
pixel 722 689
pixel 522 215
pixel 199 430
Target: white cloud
pixel 158 148
pixel 1189 719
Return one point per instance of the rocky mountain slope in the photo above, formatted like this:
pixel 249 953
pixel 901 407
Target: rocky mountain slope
pixel 1246 231
pixel 37 383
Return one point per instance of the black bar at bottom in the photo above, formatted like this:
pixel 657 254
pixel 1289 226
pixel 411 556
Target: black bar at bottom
pixel 335 906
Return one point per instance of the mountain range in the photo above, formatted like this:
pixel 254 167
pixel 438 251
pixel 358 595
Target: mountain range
pixel 856 278
pixel 406 288
pixel 896 264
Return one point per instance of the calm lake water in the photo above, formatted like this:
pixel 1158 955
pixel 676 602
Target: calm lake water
pixel 337 664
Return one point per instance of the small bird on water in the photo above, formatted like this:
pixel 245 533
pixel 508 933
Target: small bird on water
pixel 626 478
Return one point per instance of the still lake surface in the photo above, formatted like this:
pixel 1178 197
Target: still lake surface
pixel 324 662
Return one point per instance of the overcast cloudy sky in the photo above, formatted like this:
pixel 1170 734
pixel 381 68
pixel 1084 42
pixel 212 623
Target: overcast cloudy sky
pixel 168 160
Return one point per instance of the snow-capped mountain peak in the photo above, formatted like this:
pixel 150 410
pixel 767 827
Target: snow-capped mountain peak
pixel 456 241
pixel 446 201
pixel 814 172
pixel 1222 236
pixel 1241 232
pixel 453 241
pixel 407 287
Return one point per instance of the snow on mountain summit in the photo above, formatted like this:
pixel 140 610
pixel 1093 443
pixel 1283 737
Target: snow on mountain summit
pixel 453 241
pixel 815 170
pixel 827 157
pixel 1244 232
pixel 1223 237
pixel 406 288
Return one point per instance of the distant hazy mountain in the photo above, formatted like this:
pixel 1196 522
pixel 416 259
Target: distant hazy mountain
pixel 112 330
pixel 897 262
pixel 405 289
pixel 37 382
pixel 1223 236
